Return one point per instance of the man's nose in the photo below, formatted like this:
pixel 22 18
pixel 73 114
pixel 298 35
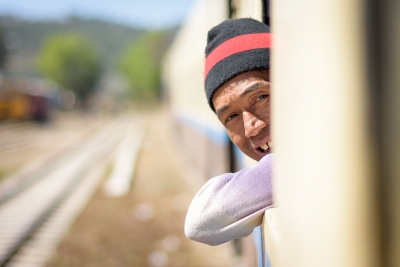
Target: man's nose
pixel 252 124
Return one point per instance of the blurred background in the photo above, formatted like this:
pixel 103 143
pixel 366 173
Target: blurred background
pixel 105 132
pixel 87 51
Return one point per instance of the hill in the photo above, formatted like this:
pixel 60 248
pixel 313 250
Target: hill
pixel 24 39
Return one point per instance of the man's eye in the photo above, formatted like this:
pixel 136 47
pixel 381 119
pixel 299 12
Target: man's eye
pixel 261 97
pixel 230 117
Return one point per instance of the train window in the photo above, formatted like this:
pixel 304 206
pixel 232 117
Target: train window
pixel 265 12
pixel 231 8
pixel 234 5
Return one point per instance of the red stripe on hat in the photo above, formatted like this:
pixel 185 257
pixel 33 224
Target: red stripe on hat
pixel 236 45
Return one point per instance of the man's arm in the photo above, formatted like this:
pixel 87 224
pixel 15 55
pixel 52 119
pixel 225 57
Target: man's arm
pixel 229 206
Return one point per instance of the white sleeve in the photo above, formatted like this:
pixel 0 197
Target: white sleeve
pixel 229 206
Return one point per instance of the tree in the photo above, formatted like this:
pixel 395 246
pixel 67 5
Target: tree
pixel 140 64
pixel 3 50
pixel 71 62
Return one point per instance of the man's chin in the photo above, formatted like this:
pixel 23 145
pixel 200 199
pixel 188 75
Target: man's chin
pixel 258 155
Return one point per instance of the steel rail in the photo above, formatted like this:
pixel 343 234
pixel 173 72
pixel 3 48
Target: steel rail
pixel 50 208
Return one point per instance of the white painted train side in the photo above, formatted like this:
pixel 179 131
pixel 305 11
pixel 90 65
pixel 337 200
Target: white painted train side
pixel 183 82
pixel 335 107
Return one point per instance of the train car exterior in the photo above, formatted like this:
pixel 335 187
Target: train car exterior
pixel 335 127
pixel 183 82
pixel 204 136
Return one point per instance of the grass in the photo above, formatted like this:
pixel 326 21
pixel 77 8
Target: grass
pixel 3 174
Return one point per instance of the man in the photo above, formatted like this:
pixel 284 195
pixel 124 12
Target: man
pixel 237 87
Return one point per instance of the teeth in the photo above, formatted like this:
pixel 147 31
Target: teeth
pixel 264 147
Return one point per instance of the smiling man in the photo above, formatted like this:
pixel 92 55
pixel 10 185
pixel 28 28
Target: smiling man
pixel 242 106
pixel 237 86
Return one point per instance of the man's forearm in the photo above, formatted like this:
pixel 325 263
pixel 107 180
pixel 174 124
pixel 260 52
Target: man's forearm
pixel 229 206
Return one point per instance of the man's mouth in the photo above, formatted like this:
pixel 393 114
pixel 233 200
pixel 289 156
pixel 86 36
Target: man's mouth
pixel 265 147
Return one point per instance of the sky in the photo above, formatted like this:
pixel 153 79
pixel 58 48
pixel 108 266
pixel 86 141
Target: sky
pixel 143 13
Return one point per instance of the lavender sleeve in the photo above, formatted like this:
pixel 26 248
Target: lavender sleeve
pixel 229 206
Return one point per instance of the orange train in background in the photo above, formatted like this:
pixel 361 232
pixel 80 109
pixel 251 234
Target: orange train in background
pixel 25 98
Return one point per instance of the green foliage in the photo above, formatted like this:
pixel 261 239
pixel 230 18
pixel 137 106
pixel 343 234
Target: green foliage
pixel 3 50
pixel 71 62
pixel 109 39
pixel 141 65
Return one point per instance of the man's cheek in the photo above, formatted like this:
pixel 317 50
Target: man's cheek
pixel 248 145
pixel 233 136
pixel 238 142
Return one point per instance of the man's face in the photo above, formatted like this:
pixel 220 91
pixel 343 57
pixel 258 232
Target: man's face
pixel 242 105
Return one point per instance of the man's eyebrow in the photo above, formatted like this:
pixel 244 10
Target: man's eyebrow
pixel 222 109
pixel 252 88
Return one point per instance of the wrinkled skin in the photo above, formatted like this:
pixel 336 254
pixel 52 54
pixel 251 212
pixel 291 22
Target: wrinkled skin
pixel 242 105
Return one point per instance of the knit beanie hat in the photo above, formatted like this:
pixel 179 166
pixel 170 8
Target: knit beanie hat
pixel 233 47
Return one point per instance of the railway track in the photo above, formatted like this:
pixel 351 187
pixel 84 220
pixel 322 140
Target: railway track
pixel 8 139
pixel 19 136
pixel 33 212
pixel 7 127
pixel 33 171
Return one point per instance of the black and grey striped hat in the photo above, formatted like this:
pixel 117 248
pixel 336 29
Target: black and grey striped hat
pixel 233 47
